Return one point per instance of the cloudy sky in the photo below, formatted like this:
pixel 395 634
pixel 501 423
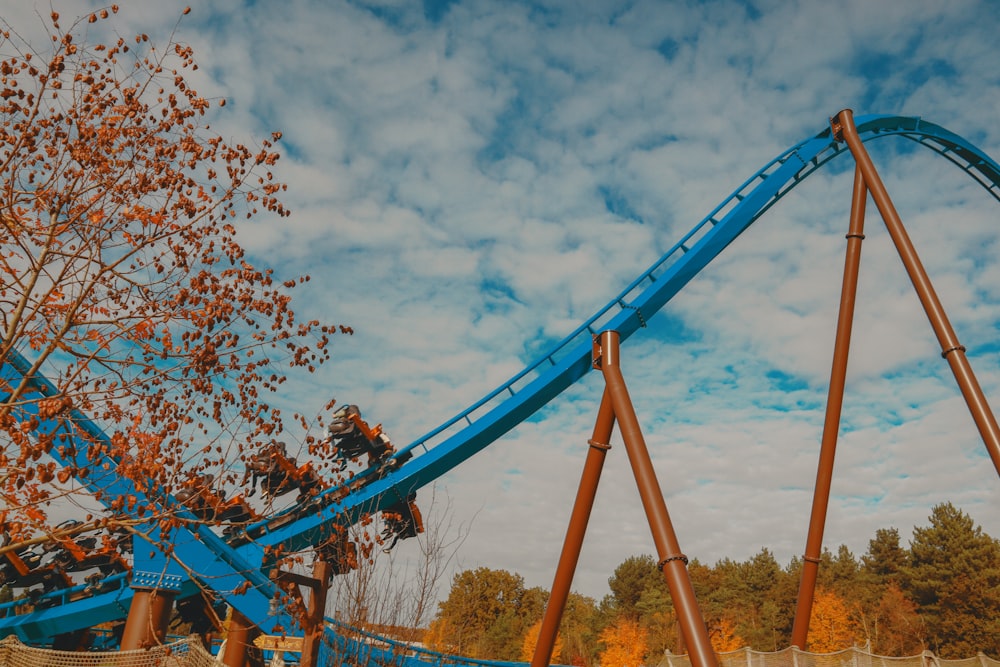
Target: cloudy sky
pixel 471 180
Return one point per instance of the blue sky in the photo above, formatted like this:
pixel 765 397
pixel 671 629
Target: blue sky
pixel 470 180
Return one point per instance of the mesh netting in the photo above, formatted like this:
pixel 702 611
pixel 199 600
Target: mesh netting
pixel 852 657
pixel 185 653
pixel 190 653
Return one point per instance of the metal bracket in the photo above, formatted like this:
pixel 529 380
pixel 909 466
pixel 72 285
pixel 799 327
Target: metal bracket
pixel 157 581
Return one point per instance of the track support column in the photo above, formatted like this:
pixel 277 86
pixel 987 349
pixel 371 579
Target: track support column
pixel 834 405
pixel 573 543
pixel 616 405
pixel 951 349
pixel 867 181
pixel 673 563
pixel 322 574
pixel 239 639
pixel 147 620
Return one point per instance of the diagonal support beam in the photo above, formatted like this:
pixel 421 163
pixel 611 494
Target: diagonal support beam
pixel 867 181
pixel 951 349
pixel 616 405
pixel 573 543
pixel 673 563
pixel 834 405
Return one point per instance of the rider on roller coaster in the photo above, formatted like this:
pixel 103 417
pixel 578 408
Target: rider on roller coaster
pixel 352 437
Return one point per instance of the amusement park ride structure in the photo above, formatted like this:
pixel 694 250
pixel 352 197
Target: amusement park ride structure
pixel 237 568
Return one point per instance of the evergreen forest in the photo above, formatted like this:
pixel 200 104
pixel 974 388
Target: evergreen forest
pixel 941 592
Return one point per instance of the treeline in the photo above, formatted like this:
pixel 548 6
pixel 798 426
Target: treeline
pixel 941 593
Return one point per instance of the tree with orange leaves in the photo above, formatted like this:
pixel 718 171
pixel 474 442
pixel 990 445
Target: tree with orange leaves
pixel 122 277
pixel 624 644
pixel 723 636
pixel 831 627
pixel 531 641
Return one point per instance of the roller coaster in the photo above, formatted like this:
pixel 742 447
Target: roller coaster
pixel 237 567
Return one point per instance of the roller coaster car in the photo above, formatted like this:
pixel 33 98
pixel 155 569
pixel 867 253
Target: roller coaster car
pixel 82 552
pixel 394 462
pixel 352 437
pixel 278 473
pixel 339 552
pixel 35 595
pixel 97 583
pixel 119 536
pixel 28 567
pixel 196 611
pixel 402 521
pixel 237 513
pixel 207 504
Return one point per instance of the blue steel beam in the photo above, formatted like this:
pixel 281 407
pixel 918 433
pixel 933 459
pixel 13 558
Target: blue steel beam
pixel 348 645
pixel 87 610
pixel 195 549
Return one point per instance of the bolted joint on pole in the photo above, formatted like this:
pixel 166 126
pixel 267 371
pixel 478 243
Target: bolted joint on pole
pixel 666 561
pixel 599 445
pixel 837 126
pixel 604 351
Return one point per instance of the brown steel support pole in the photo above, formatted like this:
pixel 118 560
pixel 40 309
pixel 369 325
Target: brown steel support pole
pixel 322 573
pixel 573 543
pixel 951 349
pixel 239 639
pixel 147 620
pixel 672 563
pixel 834 405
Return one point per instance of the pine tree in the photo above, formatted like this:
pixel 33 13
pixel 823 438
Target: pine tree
pixel 888 619
pixel 885 556
pixel 953 575
pixel 629 581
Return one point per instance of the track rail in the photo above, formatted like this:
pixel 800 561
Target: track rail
pixel 517 399
pixel 514 401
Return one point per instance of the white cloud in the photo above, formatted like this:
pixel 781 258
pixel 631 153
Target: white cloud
pixel 446 187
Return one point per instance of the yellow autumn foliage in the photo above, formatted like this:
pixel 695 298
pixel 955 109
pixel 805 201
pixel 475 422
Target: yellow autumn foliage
pixel 625 644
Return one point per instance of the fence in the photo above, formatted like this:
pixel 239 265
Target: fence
pixel 339 650
pixel 852 657
pixel 185 653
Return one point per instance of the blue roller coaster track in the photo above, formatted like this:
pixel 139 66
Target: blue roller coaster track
pixel 200 559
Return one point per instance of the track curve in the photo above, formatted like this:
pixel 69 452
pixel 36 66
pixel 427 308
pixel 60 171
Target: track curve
pixel 517 399
pixel 514 401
